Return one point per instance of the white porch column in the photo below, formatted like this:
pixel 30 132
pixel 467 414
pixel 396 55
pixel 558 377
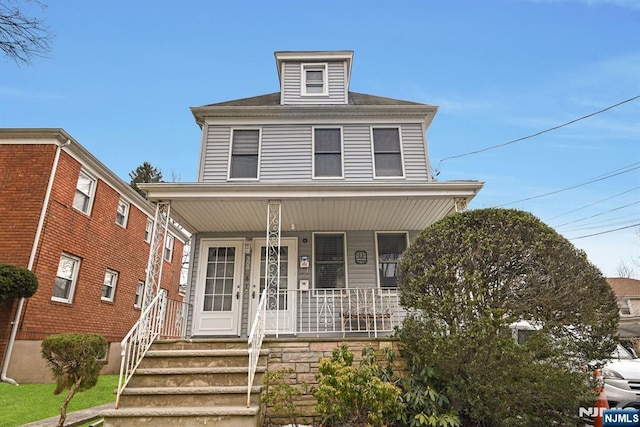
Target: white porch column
pixel 272 267
pixel 156 253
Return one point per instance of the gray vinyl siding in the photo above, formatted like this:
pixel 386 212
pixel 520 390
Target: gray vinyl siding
pixel 358 162
pixel 287 153
pixel 413 146
pixel 292 81
pixel 216 154
pixel 361 275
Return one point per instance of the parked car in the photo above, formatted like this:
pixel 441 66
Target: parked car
pixel 621 375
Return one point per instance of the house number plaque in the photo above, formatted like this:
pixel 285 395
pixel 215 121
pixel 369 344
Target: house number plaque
pixel 361 257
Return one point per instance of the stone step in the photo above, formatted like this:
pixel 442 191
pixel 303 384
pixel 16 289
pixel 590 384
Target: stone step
pixel 188 396
pixel 227 416
pixel 199 358
pixel 194 377
pixel 202 344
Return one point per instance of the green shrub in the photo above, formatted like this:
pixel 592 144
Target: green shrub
pixel 73 359
pixel 355 395
pixel 278 396
pixel 16 282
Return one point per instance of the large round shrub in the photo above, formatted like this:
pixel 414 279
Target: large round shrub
pixel 467 278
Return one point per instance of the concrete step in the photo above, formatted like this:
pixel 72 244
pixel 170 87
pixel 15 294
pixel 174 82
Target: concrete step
pixel 189 396
pixel 228 416
pixel 194 377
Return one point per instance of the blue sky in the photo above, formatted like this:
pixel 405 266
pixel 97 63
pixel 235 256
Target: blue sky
pixel 122 75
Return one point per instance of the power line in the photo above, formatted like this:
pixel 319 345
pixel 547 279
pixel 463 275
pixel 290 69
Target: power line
pixel 605 232
pixel 600 225
pixel 591 181
pixel 598 214
pixel 539 133
pixel 593 203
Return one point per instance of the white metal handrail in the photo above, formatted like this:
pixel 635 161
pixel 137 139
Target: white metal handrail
pixel 163 318
pixel 255 341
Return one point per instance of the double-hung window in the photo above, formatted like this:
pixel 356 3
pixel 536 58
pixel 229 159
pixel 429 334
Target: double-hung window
pixel 329 261
pixel 85 189
pixel 148 229
pixel 245 149
pixel 168 248
pixel 327 152
pixel 66 278
pixel 109 285
pixel 122 213
pixel 314 79
pixel 137 302
pixel 390 247
pixel 387 152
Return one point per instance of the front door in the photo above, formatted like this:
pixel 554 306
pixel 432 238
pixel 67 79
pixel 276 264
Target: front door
pixel 219 288
pixel 281 300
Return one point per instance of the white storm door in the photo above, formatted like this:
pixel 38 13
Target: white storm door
pixel 219 288
pixel 281 300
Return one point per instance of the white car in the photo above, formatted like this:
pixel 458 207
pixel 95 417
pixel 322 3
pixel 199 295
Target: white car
pixel 621 377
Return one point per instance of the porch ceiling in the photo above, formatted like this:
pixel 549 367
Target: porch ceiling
pixel 201 207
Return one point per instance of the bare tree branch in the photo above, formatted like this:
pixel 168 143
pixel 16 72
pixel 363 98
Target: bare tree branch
pixel 22 36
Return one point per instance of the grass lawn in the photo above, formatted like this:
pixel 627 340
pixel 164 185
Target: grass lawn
pixel 33 402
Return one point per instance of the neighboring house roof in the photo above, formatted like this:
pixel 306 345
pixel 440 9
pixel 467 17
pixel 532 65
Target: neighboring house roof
pixel 624 287
pixel 273 99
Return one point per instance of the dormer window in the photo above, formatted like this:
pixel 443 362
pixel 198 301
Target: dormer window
pixel 314 79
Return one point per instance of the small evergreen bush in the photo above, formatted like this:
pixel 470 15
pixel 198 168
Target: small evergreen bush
pixel 16 282
pixel 74 362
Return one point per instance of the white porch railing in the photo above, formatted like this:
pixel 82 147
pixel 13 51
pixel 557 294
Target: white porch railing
pixel 163 318
pixel 354 311
pixel 255 341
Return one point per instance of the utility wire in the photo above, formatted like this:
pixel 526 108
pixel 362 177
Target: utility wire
pixel 491 147
pixel 605 232
pixel 593 203
pixel 598 214
pixel 591 181
pixel 593 226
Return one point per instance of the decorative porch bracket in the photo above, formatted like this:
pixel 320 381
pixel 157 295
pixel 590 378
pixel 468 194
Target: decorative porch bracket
pixel 272 267
pixel 460 204
pixel 156 253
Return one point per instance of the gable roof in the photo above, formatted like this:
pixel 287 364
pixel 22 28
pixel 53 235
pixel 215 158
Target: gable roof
pixel 273 100
pixel 624 287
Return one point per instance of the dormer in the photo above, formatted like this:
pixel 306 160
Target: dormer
pixel 313 78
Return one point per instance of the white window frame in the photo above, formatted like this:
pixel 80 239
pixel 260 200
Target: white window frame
pixel 167 253
pixel 110 281
pixel 378 233
pixel 89 197
pixel 346 256
pixel 313 153
pixel 257 177
pixel 137 300
pixel 124 214
pixel 148 230
pixel 314 66
pixel 73 277
pixel 373 153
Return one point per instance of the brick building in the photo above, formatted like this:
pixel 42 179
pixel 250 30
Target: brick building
pixel 86 234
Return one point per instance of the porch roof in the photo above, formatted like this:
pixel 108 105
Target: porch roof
pixel 237 207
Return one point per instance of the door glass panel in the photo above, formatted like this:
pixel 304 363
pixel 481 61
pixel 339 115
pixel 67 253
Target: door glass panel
pixel 218 292
pixel 276 300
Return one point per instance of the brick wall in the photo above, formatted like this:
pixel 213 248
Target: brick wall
pixel 100 244
pixel 95 239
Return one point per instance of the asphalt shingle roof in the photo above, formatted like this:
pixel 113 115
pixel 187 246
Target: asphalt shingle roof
pixel 273 100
